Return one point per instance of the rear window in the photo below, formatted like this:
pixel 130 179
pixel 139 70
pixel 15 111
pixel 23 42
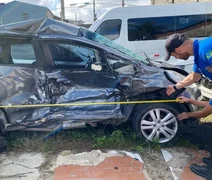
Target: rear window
pixel 110 29
pixel 14 52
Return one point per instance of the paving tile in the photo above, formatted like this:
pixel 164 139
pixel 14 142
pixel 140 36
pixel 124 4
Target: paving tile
pixel 112 168
pixel 189 175
pixel 106 164
pixel 120 161
pixel 197 156
pixel 104 173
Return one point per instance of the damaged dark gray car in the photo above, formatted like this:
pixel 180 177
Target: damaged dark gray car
pixel 52 62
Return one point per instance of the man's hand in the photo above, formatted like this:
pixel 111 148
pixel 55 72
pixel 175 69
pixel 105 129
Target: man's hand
pixel 183 116
pixel 170 90
pixel 184 99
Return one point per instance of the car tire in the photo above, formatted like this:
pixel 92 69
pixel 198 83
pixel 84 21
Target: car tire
pixel 165 132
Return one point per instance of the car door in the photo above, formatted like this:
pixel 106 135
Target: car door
pixel 19 78
pixel 80 75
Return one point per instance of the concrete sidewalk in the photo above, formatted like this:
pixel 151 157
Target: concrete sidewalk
pixel 112 165
pixel 124 166
pixel 168 164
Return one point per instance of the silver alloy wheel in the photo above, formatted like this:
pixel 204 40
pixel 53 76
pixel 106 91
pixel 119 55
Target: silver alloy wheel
pixel 159 125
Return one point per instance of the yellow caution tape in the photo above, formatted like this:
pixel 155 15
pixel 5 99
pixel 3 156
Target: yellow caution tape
pixel 90 103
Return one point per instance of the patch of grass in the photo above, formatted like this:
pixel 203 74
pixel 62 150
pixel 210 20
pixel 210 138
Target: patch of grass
pixel 80 139
pixel 139 149
pixel 182 142
pixel 104 137
pixel 115 140
pixel 81 135
pixel 29 141
pixel 155 144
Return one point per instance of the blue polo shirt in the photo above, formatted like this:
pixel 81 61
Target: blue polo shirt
pixel 203 58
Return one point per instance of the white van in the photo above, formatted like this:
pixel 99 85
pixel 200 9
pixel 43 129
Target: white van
pixel 145 28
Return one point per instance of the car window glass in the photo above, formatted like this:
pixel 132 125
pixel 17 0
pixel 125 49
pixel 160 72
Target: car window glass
pixel 120 65
pixel 115 61
pixel 209 25
pixel 72 56
pixel 23 54
pixel 192 25
pixel 110 29
pixel 141 29
pixel 13 51
pixel 112 45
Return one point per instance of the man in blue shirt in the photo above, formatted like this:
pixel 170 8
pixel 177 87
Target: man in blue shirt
pixel 182 47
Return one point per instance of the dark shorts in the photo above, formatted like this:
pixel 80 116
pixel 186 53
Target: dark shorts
pixel 199 134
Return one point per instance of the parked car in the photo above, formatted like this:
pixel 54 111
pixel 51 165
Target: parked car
pixel 45 61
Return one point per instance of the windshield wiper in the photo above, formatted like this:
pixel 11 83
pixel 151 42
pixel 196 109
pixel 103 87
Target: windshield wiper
pixel 148 59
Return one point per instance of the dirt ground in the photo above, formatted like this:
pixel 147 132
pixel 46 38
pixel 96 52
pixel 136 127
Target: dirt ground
pixel 41 166
pixel 156 165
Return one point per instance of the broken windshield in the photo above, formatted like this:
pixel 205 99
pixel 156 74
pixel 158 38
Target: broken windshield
pixel 102 40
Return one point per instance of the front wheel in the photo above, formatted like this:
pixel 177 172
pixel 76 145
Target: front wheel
pixel 157 123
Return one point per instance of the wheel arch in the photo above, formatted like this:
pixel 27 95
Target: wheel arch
pixel 183 107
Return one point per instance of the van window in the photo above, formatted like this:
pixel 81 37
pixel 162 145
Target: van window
pixel 192 25
pixel 209 25
pixel 141 29
pixel 110 29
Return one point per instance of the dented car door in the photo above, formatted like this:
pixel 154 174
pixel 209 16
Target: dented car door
pixel 19 84
pixel 81 75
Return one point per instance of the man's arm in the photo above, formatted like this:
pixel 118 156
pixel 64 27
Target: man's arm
pixel 199 114
pixel 190 79
pixel 201 104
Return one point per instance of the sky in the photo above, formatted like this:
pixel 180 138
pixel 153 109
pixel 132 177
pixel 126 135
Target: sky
pixel 75 12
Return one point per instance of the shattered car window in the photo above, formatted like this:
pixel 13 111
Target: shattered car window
pixel 119 65
pixel 70 55
pixel 102 40
pixel 115 61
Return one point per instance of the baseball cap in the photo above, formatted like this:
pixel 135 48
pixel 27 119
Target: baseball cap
pixel 174 41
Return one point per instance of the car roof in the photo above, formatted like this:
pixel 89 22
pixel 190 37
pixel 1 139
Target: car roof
pixel 51 29
pixel 37 27
pixel 46 28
